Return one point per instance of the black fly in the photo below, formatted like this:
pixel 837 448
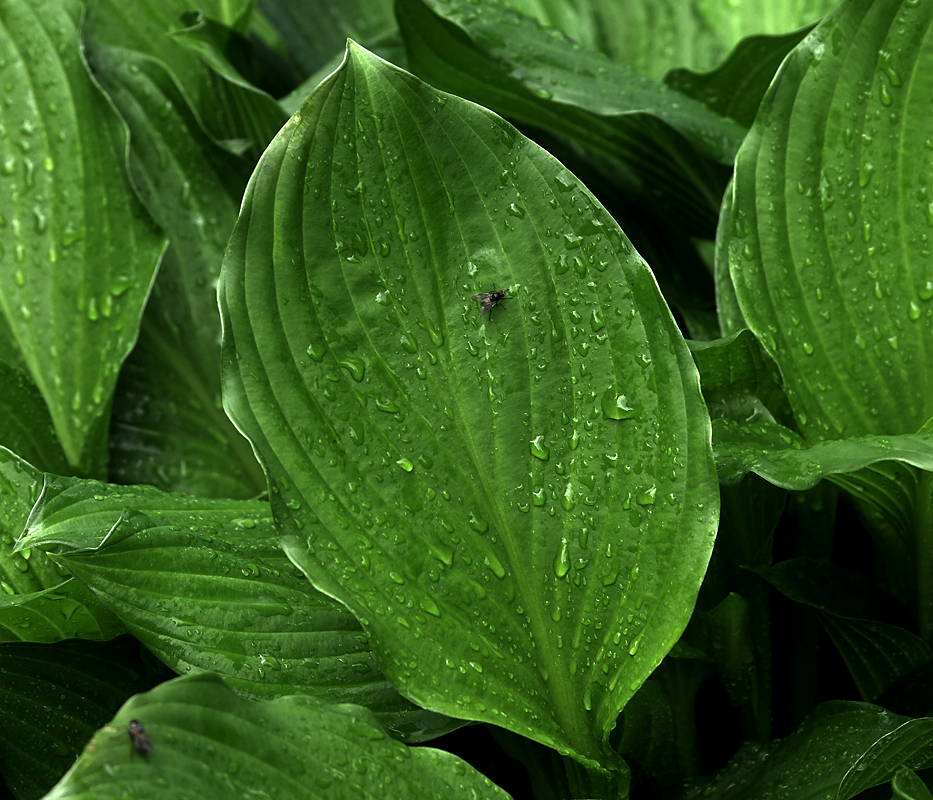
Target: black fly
pixel 489 300
pixel 141 741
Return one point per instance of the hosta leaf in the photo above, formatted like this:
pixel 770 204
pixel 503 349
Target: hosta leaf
pixel 317 30
pixel 501 499
pixel 204 585
pixel 53 698
pixel 781 457
pixel 234 115
pixel 207 742
pixel 738 381
pixel 169 429
pixel 79 251
pixel 865 624
pixel 830 218
pixel 735 88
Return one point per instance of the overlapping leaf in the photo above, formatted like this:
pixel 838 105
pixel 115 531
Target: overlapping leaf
pixel 501 499
pixel 842 749
pixel 53 698
pixel 646 131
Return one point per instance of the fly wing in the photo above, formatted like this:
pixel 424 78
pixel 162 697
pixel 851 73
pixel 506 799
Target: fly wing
pixel 481 297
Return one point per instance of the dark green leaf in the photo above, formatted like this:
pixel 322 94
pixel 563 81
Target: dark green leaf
pixel 907 786
pixel 26 427
pixel 227 54
pixel 317 30
pixel 169 429
pixel 735 88
pixel 207 742
pixel 866 625
pixel 510 63
pixel 53 698
pixel 910 745
pixel 233 114
pixel 76 243
pixel 738 381
pixel 828 229
pixel 841 749
pixel 478 489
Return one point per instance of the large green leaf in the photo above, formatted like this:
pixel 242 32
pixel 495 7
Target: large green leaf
pixel 830 217
pixel 317 30
pixel 204 585
pixel 501 499
pixel 78 251
pixel 169 429
pixel 206 742
pixel 236 115
pixel 655 35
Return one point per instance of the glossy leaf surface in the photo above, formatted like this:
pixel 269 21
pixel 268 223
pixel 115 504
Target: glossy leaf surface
pixel 500 498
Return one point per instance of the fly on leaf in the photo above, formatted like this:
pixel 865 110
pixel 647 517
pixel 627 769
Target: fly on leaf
pixel 141 741
pixel 489 300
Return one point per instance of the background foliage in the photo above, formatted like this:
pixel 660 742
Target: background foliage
pixel 659 524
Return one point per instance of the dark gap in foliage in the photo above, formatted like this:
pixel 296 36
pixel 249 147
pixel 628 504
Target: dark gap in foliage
pixel 477 746
pixel 719 726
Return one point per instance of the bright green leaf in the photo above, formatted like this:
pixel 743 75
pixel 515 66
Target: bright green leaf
pixel 501 499
pixel 207 742
pixel 76 242
pixel 830 218
pixel 26 572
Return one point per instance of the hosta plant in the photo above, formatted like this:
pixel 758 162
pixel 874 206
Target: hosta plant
pixel 508 399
